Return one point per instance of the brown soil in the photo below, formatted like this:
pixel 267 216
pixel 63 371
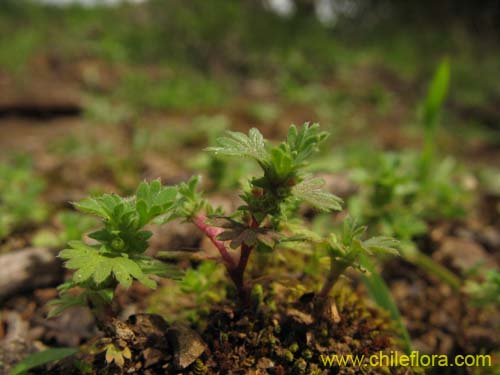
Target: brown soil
pixel 276 336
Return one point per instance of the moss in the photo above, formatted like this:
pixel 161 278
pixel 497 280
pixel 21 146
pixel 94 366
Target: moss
pixel 291 339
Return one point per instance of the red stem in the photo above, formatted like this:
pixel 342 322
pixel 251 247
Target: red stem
pixel 235 270
pixel 212 233
pixel 246 250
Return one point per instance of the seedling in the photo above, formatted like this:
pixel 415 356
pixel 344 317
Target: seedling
pixel 347 250
pixel 117 257
pixel 260 223
pixel 401 192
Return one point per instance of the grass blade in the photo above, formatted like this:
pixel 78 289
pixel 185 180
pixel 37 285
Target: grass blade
pixel 379 291
pixel 41 358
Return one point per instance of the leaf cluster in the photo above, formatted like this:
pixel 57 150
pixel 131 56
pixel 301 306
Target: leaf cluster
pixel 71 226
pixel 348 248
pixel 486 292
pixel 263 238
pixel 117 256
pixel 282 166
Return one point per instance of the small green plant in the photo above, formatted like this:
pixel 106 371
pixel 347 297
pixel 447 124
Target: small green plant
pixel 402 191
pixel 203 283
pixel 269 204
pixel 486 292
pixel 117 257
pixel 72 226
pixel 348 249
pixel 20 191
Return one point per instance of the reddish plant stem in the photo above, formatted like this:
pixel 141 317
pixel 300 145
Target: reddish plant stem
pixel 212 233
pixel 243 288
pixel 238 275
pixel 235 270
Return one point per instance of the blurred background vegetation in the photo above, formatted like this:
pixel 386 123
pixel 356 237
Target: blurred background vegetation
pixel 348 63
pixel 102 94
pixel 96 96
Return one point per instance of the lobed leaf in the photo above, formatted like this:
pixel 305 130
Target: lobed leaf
pixel 239 144
pixel 382 244
pixel 304 141
pixel 311 191
pixel 125 270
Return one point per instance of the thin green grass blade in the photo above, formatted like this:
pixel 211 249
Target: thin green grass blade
pixel 432 108
pixel 379 291
pixel 41 358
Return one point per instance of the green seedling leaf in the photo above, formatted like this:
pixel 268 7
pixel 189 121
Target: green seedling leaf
pixel 304 141
pixel 125 270
pixel 382 245
pixel 436 94
pixel 433 103
pixel 311 191
pixel 102 270
pixel 241 145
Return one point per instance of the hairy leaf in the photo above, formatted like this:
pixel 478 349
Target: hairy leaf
pixel 241 145
pixel 304 141
pixel 382 244
pixel 125 270
pixel 311 191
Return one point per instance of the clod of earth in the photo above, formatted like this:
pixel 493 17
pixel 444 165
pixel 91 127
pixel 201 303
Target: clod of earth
pixel 187 345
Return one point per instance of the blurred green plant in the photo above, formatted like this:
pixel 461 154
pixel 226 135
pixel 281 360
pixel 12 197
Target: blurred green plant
pixel 203 283
pixel 264 113
pixel 395 196
pixel 487 292
pixel 431 111
pixel 401 192
pixel 223 173
pixel 182 91
pixel 71 227
pixel 102 111
pixel 20 196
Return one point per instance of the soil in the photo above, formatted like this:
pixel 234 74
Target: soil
pixel 278 335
